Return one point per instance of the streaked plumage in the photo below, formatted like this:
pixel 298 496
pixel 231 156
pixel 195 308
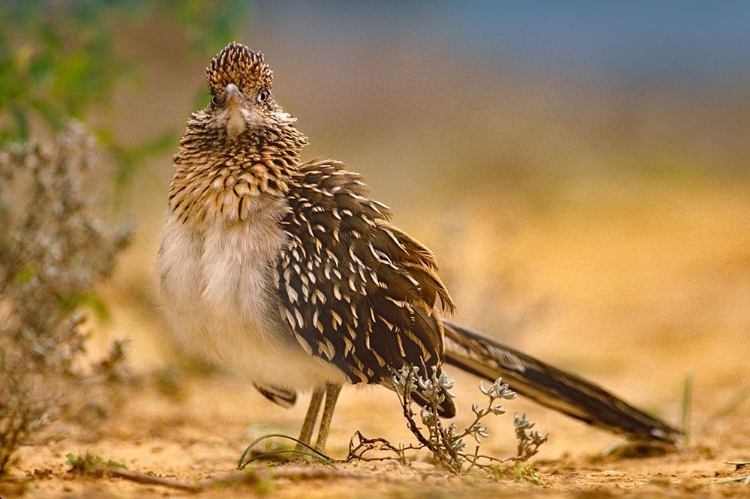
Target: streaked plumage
pixel 293 275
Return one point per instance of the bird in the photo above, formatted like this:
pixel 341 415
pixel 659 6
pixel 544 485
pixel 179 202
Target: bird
pixel 290 273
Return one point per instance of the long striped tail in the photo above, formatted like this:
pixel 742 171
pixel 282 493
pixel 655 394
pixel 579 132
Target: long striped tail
pixel 489 358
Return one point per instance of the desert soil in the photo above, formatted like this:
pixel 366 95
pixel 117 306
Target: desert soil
pixel 634 300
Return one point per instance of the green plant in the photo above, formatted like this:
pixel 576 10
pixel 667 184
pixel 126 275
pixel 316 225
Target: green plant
pixel 447 444
pixel 54 248
pixel 526 473
pixel 61 60
pixel 90 464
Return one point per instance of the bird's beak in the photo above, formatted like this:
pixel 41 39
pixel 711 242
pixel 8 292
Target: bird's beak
pixel 233 97
pixel 237 117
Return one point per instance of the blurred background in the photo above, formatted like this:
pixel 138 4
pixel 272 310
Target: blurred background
pixel 581 169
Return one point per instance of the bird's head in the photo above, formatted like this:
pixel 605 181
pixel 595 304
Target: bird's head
pixel 242 106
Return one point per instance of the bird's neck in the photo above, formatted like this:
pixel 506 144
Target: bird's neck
pixel 228 181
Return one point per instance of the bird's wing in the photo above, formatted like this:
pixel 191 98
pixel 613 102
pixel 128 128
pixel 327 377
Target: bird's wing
pixel 356 291
pixel 282 396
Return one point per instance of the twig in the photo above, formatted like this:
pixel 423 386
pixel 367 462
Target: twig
pixel 745 480
pixel 146 479
pixel 366 445
pixel 248 477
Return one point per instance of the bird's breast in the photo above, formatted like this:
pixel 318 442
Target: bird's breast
pixel 219 288
pixel 220 275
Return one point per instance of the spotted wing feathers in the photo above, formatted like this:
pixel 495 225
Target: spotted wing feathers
pixel 356 291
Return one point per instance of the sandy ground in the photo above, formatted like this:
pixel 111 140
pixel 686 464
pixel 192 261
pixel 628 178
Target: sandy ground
pixel 634 297
pixel 202 435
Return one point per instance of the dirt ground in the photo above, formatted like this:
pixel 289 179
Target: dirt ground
pixel 201 436
pixel 634 297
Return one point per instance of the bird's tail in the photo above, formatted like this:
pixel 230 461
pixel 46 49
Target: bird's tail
pixel 489 358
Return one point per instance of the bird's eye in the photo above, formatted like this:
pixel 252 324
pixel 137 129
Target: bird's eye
pixel 214 101
pixel 263 96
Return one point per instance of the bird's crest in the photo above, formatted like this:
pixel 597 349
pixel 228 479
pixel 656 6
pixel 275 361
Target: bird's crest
pixel 239 65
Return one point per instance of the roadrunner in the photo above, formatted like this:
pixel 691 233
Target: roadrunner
pixel 295 277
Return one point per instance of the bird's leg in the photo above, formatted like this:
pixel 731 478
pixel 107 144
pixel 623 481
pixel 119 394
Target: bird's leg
pixel 305 434
pixel 332 395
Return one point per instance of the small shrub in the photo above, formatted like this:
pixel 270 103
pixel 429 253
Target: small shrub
pixel 448 445
pixel 53 250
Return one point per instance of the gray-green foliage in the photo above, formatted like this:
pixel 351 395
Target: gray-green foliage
pixel 449 445
pixel 61 60
pixel 54 249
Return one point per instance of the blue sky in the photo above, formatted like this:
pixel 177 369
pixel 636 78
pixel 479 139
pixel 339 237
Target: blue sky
pixel 642 39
